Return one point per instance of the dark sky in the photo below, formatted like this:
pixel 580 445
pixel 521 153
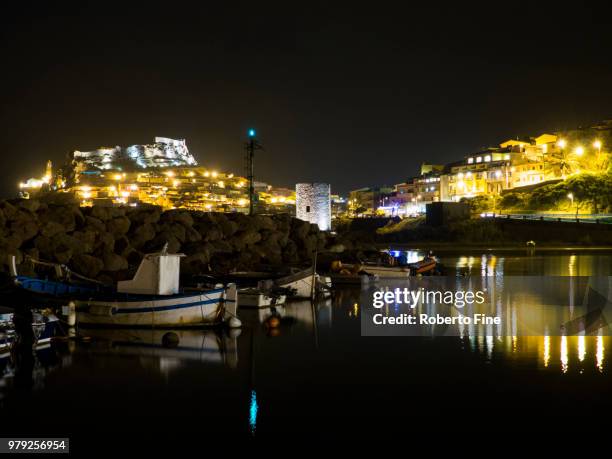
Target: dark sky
pixel 352 95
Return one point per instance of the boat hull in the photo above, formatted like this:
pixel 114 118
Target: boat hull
pixel 388 272
pixel 300 283
pixel 205 308
pixel 250 298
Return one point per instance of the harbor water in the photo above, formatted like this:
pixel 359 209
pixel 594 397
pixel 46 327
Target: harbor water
pixel 308 371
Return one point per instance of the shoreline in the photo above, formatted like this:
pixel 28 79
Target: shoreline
pixel 454 247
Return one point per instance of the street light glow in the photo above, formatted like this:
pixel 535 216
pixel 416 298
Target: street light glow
pixel 597 144
pixel 579 151
pixel 561 143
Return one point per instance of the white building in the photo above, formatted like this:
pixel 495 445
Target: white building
pixel 313 204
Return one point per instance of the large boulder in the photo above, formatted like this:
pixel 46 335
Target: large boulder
pixel 104 242
pixel 114 262
pixel 94 224
pixel 65 216
pixel 145 214
pixel 101 213
pixel 212 234
pixel 262 222
pixel 76 245
pixel 26 228
pixel 178 216
pixel 121 245
pixel 299 229
pixel 51 228
pixel 87 265
pixel 144 233
pixel 118 226
pixel 88 238
pixel 31 205
pixel 196 263
pixel 246 238
pixel 192 235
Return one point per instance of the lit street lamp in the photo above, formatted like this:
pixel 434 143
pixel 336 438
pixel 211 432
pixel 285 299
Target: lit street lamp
pixel 597 145
pixel 579 151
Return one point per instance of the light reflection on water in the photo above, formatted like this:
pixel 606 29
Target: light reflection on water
pixel 253 374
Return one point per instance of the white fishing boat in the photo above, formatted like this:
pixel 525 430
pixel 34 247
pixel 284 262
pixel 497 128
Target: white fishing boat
pixel 256 298
pixel 299 282
pixel 388 272
pixel 153 299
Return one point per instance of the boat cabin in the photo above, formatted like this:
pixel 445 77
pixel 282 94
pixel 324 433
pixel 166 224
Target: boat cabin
pixel 158 274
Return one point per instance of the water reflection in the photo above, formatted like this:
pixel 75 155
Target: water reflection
pixel 166 350
pixel 518 262
pixel 316 353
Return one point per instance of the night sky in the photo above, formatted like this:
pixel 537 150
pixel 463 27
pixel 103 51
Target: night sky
pixel 351 95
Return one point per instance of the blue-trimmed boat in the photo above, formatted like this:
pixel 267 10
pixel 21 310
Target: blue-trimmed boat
pixel 151 299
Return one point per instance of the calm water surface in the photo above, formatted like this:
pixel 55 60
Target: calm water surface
pixel 314 374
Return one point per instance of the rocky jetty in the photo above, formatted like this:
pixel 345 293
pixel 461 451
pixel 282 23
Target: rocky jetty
pixel 107 243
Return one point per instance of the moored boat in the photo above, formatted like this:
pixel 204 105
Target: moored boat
pixel 254 297
pixel 152 299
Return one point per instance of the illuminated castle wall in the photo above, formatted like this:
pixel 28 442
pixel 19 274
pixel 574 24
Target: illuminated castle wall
pixel 163 153
pixel 313 204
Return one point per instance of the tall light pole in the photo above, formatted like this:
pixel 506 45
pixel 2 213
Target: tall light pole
pixel 251 146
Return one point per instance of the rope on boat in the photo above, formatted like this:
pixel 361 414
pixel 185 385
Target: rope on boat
pixel 63 269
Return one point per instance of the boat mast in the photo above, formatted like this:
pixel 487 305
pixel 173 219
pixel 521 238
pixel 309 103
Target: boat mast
pixel 251 146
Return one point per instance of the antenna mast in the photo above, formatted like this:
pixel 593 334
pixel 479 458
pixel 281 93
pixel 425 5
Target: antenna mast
pixel 251 146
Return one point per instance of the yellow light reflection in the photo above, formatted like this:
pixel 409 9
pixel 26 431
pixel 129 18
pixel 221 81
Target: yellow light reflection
pixel 564 356
pixel 546 351
pixel 599 353
pixel 581 347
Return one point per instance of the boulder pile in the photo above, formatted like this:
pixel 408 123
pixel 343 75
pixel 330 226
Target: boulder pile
pixel 107 243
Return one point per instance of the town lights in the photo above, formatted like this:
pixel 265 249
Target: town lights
pixel 170 173
pixel 117 176
pixel 561 143
pixel 214 174
pixel 579 151
pixel 597 144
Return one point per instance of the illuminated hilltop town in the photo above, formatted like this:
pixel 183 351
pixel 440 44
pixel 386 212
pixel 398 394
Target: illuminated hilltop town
pixel 164 173
pixel 516 164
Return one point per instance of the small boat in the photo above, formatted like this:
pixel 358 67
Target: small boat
pixel 44 327
pixel 254 297
pixel 394 272
pixel 152 299
pixel 297 283
pixel 425 266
